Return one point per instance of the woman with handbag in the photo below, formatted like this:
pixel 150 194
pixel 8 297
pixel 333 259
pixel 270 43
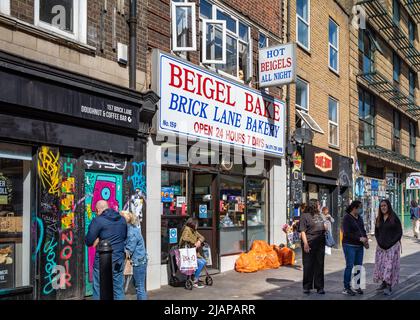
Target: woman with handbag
pixel 388 233
pixel 329 239
pixel 354 240
pixel 190 237
pixel 136 254
pixel 415 218
pixel 312 228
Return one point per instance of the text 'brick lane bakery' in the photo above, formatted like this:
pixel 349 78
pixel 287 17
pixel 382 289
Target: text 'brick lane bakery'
pixel 236 122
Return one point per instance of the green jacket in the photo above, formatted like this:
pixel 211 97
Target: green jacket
pixel 189 237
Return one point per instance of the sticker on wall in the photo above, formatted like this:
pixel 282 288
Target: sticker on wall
pixel 202 212
pixel 167 194
pixel 173 235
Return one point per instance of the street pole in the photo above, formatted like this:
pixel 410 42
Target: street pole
pixel 288 122
pixel 105 271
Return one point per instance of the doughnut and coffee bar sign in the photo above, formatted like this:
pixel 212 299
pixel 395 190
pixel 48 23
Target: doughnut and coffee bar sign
pixel 195 102
pixel 320 162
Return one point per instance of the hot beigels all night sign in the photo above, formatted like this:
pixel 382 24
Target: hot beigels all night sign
pixel 195 102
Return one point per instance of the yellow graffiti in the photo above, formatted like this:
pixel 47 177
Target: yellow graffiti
pixel 67 221
pixel 49 170
pixel 89 211
pixel 67 185
pixel 67 202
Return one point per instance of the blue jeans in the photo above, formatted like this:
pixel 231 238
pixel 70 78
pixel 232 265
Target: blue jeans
pixel 201 262
pixel 139 275
pixel 118 281
pixel 354 257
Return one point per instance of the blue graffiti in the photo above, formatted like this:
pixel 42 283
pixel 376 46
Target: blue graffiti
pixel 41 234
pixel 138 179
pixel 50 266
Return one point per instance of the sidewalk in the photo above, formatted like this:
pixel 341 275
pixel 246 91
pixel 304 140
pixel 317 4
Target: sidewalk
pixel 285 283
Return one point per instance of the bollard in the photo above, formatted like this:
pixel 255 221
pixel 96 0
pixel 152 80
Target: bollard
pixel 105 271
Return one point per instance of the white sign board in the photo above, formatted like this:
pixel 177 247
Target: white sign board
pixel 413 181
pixel 195 102
pixel 277 65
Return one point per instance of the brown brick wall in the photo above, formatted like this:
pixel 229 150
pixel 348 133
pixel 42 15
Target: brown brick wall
pixel 23 10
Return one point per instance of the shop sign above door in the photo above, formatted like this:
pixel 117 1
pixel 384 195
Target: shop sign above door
pixel 323 162
pixel 413 181
pixel 277 65
pixel 197 103
pixel 320 162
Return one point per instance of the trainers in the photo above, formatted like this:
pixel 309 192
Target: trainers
pixel 388 291
pixel 349 292
pixel 321 291
pixel 382 287
pixel 359 291
pixel 198 284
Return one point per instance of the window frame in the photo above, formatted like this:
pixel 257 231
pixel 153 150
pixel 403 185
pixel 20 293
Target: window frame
pixel 307 94
pixel 412 84
pixel 413 139
pixel 174 46
pixel 396 12
pixel 396 63
pixel 204 59
pixel 5 7
pixel 79 21
pixel 412 28
pixel 332 123
pixel 308 24
pixel 372 113
pixel 331 46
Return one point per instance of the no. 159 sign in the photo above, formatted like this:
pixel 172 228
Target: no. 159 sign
pixel 277 65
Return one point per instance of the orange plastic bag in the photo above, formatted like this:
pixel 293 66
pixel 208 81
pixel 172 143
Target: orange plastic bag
pixel 287 256
pixel 261 257
pixel 246 263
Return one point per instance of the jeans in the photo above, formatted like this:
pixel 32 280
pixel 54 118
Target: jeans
pixel 139 275
pixel 313 266
pixel 201 262
pixel 118 281
pixel 354 257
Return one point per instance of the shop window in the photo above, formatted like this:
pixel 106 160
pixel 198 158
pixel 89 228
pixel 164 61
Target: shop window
pixel 333 44
pixel 413 138
pixel 65 17
pixel 366 118
pixel 226 42
pixel 174 208
pixel 333 128
pixel 396 141
pixel 257 224
pixel 183 26
pixel 303 23
pixel 5 7
pixel 15 194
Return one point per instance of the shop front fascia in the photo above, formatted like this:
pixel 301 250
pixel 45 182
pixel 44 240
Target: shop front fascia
pixel 209 130
pixel 67 141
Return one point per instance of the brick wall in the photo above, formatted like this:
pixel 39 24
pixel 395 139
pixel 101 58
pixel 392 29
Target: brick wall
pixel 313 68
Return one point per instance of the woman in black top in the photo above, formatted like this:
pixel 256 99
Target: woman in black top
pixel 388 233
pixel 312 228
pixel 354 239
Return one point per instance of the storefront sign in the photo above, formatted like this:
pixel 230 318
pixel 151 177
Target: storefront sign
pixel 173 236
pixel 277 65
pixel 320 162
pixel 413 181
pixel 7 265
pixel 198 103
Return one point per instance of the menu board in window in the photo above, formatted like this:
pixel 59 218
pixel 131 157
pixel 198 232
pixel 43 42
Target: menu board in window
pixel 7 265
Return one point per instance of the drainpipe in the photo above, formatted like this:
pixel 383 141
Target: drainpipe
pixel 132 26
pixel 288 169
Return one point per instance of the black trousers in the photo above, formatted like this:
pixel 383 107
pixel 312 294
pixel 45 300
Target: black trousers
pixel 313 266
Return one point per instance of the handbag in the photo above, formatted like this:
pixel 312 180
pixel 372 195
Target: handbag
pixel 128 267
pixel 329 239
pixel 188 259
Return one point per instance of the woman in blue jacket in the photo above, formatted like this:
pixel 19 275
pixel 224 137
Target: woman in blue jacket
pixel 135 249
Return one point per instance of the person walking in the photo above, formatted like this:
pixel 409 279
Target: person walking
pixel 136 252
pixel 192 238
pixel 312 228
pixel 415 218
pixel 354 241
pixel 108 225
pixel 388 233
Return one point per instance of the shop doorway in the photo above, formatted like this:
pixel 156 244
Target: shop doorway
pixel 203 207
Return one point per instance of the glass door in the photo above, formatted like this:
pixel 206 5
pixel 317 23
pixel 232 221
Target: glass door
pixel 257 216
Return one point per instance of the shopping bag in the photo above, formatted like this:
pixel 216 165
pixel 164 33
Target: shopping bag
pixel 128 267
pixel 329 239
pixel 207 254
pixel 327 250
pixel 188 257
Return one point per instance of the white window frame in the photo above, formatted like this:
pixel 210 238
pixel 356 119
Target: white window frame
pixel 302 114
pixel 205 22
pixel 174 6
pixel 331 46
pixel 80 21
pixel 308 23
pixel 5 7
pixel 332 123
pixel 307 95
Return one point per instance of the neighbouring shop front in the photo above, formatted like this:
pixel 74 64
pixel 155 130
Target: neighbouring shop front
pixel 222 145
pixel 66 142
pixel 327 177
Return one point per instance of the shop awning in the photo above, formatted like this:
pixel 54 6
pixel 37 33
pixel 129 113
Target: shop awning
pixel 413 8
pixel 382 21
pixel 390 93
pixel 391 156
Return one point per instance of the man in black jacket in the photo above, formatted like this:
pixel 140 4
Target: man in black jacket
pixel 108 225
